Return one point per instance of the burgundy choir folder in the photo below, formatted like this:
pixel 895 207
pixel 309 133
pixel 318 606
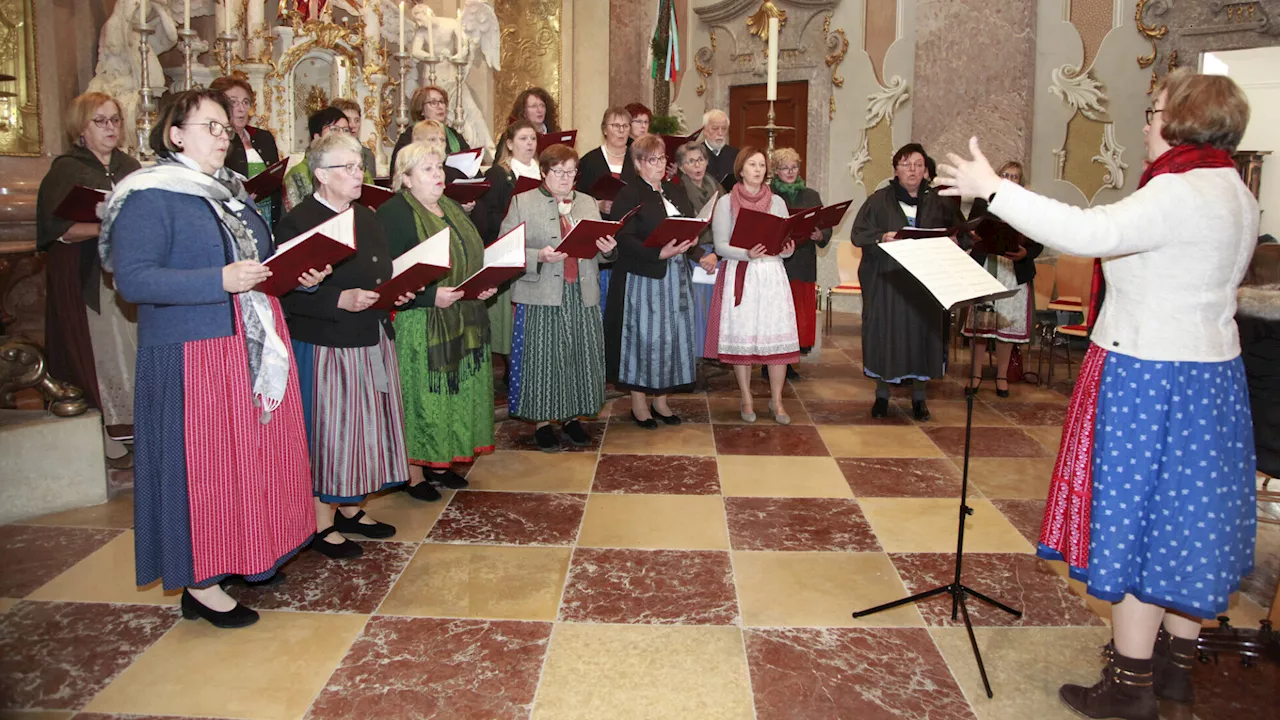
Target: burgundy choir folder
pixel 465 191
pixel 581 240
pixel 676 228
pixel 673 143
pixel 915 233
pixel 81 204
pixel 372 196
pixel 818 218
pixel 606 188
pixel 525 184
pixel 267 182
pixel 760 228
pixel 328 243
pixel 503 260
pixel 996 238
pixel 427 262
pixel 564 137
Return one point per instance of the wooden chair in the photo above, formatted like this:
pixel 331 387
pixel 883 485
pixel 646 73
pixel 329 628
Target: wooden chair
pixel 1073 294
pixel 848 258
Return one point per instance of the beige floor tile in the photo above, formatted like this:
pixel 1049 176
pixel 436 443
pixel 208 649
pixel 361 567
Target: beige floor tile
pixel 929 525
pixel 818 589
pixel 881 442
pixel 1011 477
pixel 1025 665
pixel 725 411
pixel 1028 392
pixel 835 389
pixel 1101 608
pixel 534 472
pixel 673 522
pixel 268 671
pixel 953 412
pixel 107 575
pixel 770 476
pixel 7 604
pixel 117 513
pixel 688 439
pixel 413 518
pixel 625 672
pixel 480 581
pixel 1048 436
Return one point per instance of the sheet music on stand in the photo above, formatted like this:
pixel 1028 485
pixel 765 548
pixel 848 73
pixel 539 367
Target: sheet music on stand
pixel 946 271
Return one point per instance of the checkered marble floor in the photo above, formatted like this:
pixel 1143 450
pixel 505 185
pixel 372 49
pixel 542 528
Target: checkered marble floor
pixel 701 571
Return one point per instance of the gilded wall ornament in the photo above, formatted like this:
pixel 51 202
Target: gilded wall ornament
pixel 758 23
pixel 1151 32
pixel 1109 156
pixel 531 53
pixel 885 101
pixel 1079 90
pixel 702 63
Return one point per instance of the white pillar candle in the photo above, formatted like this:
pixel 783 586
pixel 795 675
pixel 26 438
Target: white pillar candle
pixel 226 17
pixel 186 14
pixel 142 12
pixel 401 25
pixel 772 93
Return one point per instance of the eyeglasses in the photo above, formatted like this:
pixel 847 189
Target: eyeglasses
pixel 695 161
pixel 340 129
pixel 641 120
pixel 105 122
pixel 911 166
pixel 216 128
pixel 562 174
pixel 352 168
pixel 536 106
pixel 618 126
pixel 245 102
pixel 656 160
pixel 789 168
pixel 434 103
pixel 1015 177
pixel 1152 113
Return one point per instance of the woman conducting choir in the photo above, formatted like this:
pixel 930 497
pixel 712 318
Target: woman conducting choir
pixel 649 322
pixel 91 334
pixel 700 188
pixel 430 103
pixel 536 107
pixel 802 266
pixel 222 481
pixel 252 149
pixel 557 355
pixel 753 320
pixel 442 341
pixel 608 159
pixel 347 367
pixel 902 324
pixel 1154 505
pixel 1009 322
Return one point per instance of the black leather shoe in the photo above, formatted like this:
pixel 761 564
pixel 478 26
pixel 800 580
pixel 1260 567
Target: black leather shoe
pixel 919 410
pixel 649 424
pixel 276 579
pixel 880 408
pixel 423 491
pixel 344 550
pixel 792 374
pixel 353 526
pixel 576 433
pixel 671 419
pixel 237 617
pixel 547 439
pixel 449 479
pixel 1005 392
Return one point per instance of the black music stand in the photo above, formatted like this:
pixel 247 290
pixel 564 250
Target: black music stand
pixel 956 588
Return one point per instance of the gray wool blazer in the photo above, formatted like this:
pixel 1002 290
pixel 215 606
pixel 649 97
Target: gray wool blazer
pixel 543 283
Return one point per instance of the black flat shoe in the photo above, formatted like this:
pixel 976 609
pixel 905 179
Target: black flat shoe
pixel 547 439
pixel 449 479
pixel 671 419
pixel 344 550
pixel 649 424
pixel 1005 392
pixel 423 491
pixel 237 617
pixel 880 408
pixel 792 374
pixel 353 526
pixel 919 410
pixel 972 389
pixel 576 433
pixel 276 579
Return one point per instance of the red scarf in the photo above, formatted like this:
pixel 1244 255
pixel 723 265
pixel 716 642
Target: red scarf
pixel 739 198
pixel 1183 158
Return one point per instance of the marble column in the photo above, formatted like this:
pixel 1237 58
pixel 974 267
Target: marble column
pixel 975 75
pixel 629 34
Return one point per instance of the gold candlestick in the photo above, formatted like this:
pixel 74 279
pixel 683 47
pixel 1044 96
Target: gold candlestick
pixel 771 129
pixel 146 103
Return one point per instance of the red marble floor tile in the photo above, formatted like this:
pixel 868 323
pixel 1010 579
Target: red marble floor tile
pixel 435 668
pixel 510 518
pixel 106 716
pixel 799 524
pixel 314 583
pixel 53 655
pixel 987 442
pixel 650 587
pixel 828 371
pixel 938 389
pixel 689 408
pixel 1226 690
pixel 766 438
pixel 657 475
pixel 869 674
pixel 901 477
pixel 1021 581
pixel 1025 515
pixel 33 555
pixel 518 435
pixel 852 412
pixel 1031 413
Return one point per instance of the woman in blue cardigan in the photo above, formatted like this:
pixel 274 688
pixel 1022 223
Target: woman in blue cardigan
pixel 222 483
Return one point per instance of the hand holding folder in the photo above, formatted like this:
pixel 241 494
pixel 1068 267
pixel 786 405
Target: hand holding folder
pixel 818 218
pixel 581 241
pixel 328 243
pixel 774 233
pixel 679 229
pixel 503 260
pixel 267 182
pixel 81 204
pixel 914 233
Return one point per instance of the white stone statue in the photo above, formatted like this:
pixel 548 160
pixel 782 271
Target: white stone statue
pixel 472 36
pixel 119 68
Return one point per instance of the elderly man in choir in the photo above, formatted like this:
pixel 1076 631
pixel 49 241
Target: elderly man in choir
pixel 720 154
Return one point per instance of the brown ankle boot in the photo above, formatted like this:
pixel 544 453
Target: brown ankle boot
pixel 1173 660
pixel 1125 691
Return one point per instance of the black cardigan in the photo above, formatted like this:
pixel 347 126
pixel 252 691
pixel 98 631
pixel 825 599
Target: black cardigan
pixel 237 159
pixel 720 167
pixel 1024 270
pixel 594 166
pixel 633 256
pixel 406 137
pixel 491 208
pixel 314 316
pixel 802 266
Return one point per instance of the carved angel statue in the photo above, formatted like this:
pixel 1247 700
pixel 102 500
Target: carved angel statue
pixel 119 68
pixel 473 36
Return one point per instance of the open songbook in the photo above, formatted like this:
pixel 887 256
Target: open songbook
pixel 372 196
pixel 581 241
pixel 466 162
pixel 503 260
pixel 564 137
pixel 81 204
pixel 606 188
pixel 947 271
pixel 328 243
pixel 682 229
pixel 427 262
pixel 671 143
pixel 760 228
pixel 916 233
pixel 267 182
pixel 818 218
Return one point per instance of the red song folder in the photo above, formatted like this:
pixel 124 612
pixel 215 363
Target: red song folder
pixel 328 243
pixel 564 137
pixel 267 182
pixel 425 263
pixel 466 162
pixel 996 238
pixel 81 204
pixel 525 184
pixel 372 196
pixel 675 228
pixel 915 233
pixel 465 191
pixel 606 188
pixel 760 228
pixel 817 218
pixel 673 143
pixel 581 241
pixel 503 260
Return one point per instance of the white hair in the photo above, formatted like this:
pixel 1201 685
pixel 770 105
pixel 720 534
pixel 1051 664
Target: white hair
pixel 335 142
pixel 714 114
